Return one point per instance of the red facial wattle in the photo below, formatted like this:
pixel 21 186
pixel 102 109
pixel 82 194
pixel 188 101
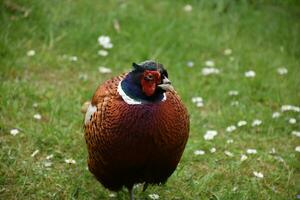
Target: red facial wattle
pixel 149 85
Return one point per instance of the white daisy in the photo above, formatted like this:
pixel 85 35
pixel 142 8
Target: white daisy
pixel 251 151
pixel 231 128
pixel 272 151
pixel 73 58
pixel 244 157
pixel 256 122
pixel 105 42
pixel 104 70
pixel 49 157
pixel 228 153
pixel 250 74
pixel 210 70
pixel 233 93
pixel 282 70
pixel 258 174
pixel 14 132
pixel 230 141
pixel 275 115
pixel 234 189
pixel 103 39
pixel 103 53
pixel 197 99
pixel 296 133
pixel 70 161
pixel 292 121
pixel 199 152
pixel 47 163
pixel 37 116
pixel 30 53
pixel 290 108
pixel 210 134
pixel 35 105
pixel 209 63
pixel 241 123
pixel 213 150
pixel 188 8
pixel 112 195
pixel 297 148
pixel 154 196
pixel 227 52
pixel 199 104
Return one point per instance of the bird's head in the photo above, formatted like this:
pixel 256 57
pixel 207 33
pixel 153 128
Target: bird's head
pixel 148 81
pixel 152 77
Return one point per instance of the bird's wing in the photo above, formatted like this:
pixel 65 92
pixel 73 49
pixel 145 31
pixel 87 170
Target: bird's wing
pixel 95 113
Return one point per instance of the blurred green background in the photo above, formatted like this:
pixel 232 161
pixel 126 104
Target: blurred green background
pixel 49 66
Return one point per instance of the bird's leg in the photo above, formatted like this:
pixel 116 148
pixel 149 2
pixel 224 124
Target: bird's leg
pixel 131 193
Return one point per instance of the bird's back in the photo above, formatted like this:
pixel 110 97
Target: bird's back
pixel 130 144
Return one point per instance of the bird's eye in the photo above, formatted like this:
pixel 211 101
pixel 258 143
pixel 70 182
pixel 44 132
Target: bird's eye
pixel 149 77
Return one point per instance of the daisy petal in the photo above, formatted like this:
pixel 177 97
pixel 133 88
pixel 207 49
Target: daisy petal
pixel 210 134
pixel 250 74
pixel 154 196
pixel 258 174
pixel 199 152
pixel 14 132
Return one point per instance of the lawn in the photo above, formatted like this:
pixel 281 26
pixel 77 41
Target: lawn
pixel 241 57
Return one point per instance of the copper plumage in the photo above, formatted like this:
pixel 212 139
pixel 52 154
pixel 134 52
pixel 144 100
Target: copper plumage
pixel 135 143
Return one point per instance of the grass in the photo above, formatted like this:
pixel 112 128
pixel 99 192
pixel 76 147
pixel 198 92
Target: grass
pixel 263 35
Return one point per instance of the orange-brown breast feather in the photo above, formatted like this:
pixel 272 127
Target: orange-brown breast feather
pixel 128 144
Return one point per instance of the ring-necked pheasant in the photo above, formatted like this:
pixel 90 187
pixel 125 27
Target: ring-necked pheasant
pixel 136 128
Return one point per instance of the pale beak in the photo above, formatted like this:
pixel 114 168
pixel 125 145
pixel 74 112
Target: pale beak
pixel 166 85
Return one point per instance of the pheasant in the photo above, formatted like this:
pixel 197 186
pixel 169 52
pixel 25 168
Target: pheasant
pixel 136 128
